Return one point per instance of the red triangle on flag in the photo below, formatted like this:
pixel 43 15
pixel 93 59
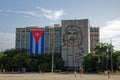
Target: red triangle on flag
pixel 37 34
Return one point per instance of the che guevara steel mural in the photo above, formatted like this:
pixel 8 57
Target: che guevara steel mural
pixel 75 41
pixel 72 40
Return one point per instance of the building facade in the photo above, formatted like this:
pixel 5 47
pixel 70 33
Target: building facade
pixel 94 37
pixel 23 37
pixel 75 41
pixel 49 39
pixel 53 39
pixel 57 38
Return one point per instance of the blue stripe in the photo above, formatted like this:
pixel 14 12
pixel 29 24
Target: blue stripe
pixel 42 43
pixel 36 48
pixel 39 46
pixel 33 45
pixel 31 42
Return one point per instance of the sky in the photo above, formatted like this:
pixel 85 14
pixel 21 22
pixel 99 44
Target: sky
pixel 104 14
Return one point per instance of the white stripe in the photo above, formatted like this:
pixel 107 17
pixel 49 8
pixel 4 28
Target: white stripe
pixel 39 46
pixel 34 43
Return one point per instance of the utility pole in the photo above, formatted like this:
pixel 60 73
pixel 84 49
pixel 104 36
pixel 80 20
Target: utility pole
pixel 111 51
pixel 52 60
pixel 107 59
pixel 111 59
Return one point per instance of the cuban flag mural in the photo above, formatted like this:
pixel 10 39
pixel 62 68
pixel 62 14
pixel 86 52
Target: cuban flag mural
pixel 36 41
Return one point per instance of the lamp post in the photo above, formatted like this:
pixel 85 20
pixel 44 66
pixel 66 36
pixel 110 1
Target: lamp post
pixel 52 60
pixel 110 56
pixel 111 50
pixel 107 59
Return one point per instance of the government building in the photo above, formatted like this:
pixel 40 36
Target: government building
pixel 53 39
pixel 72 39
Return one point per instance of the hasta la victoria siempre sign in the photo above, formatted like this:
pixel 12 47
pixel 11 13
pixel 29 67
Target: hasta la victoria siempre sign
pixel 36 41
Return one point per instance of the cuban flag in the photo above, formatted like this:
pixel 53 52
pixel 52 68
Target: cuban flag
pixel 36 41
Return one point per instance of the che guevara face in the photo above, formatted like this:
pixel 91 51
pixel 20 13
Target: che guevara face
pixel 73 34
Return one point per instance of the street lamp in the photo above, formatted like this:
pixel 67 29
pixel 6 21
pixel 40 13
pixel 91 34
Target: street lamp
pixel 52 60
pixel 111 50
pixel 107 59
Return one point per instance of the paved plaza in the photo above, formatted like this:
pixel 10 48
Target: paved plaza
pixel 55 76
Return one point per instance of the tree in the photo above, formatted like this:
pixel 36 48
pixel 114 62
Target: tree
pixel 16 60
pixel 101 48
pixel 101 59
pixel 104 50
pixel 91 62
pixel 116 60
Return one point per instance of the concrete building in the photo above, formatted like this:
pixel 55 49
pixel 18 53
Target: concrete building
pixel 75 41
pixel 49 39
pixel 53 38
pixel 57 38
pixel 23 37
pixel 94 37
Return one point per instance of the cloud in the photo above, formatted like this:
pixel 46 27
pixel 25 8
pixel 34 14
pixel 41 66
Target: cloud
pixel 111 31
pixel 26 13
pixel 7 41
pixel 51 14
pixel 47 13
pixel 29 13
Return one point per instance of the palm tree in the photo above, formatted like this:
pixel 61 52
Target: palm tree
pixel 101 51
pixel 110 52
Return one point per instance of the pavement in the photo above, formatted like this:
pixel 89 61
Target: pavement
pixel 56 76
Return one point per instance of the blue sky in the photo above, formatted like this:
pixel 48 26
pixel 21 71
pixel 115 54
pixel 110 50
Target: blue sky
pixel 21 13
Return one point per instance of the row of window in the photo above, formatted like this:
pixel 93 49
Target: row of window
pixel 52 34
pixel 23 31
pixel 94 35
pixel 22 40
pixel 94 29
pixel 94 40
pixel 22 46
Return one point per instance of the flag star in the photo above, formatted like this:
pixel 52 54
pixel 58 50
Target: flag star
pixel 37 34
